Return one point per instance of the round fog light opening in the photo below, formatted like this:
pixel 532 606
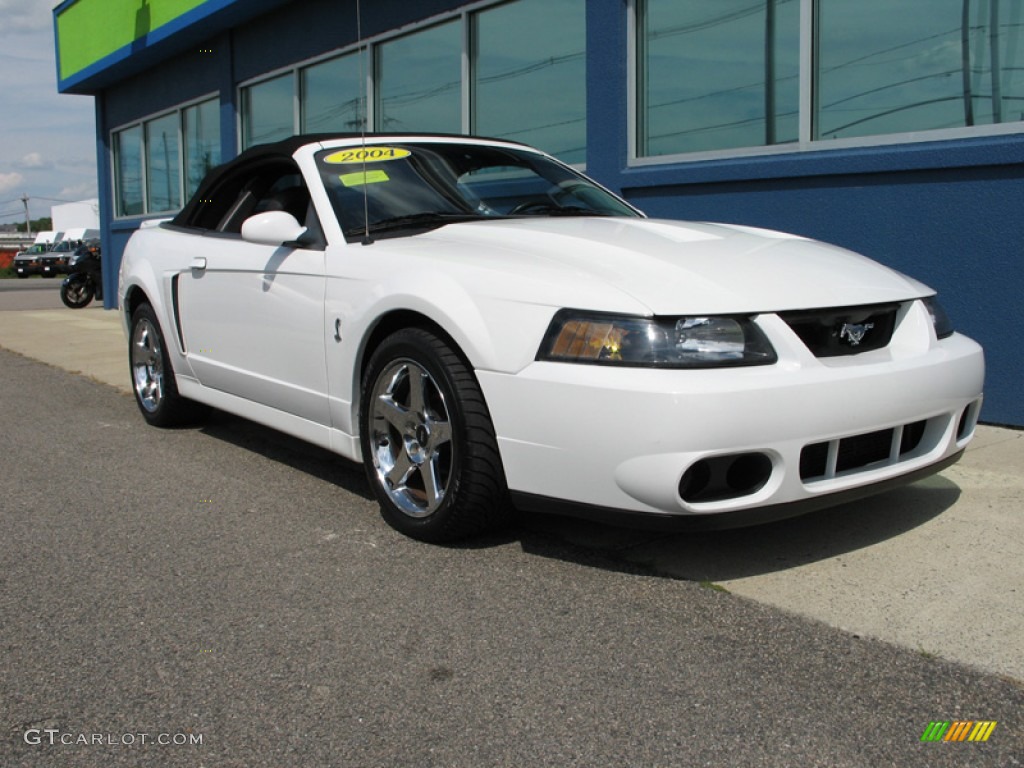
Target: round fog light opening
pixel 694 481
pixel 749 473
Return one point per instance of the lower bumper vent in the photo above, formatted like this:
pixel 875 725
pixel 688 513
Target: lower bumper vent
pixel 886 446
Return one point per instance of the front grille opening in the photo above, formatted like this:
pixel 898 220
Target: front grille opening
pixel 844 330
pixel 813 460
pixel 961 427
pixel 884 446
pixel 968 420
pixel 862 450
pixel 725 477
pixel 912 434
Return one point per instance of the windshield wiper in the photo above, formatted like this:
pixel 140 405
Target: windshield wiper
pixel 541 209
pixel 413 220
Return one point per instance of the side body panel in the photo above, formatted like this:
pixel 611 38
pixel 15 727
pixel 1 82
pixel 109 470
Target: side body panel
pixel 252 323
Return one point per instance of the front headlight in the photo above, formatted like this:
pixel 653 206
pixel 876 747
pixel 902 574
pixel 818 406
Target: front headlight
pixel 943 325
pixel 697 341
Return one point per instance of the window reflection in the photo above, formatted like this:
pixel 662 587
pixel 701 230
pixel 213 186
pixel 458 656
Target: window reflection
pixel 163 187
pixel 128 171
pixel 268 111
pixel 419 79
pixel 915 65
pixel 530 75
pixel 202 142
pixel 717 74
pixel 332 95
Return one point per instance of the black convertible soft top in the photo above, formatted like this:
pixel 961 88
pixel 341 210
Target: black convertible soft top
pixel 283 150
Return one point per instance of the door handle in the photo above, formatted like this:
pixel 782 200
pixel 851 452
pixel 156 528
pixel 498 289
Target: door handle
pixel 198 262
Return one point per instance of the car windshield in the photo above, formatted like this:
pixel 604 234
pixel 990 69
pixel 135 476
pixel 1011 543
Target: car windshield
pixel 393 189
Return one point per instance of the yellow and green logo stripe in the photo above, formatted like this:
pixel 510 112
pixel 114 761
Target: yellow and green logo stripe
pixel 958 730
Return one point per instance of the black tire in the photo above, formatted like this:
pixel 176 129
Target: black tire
pixel 431 458
pixel 77 291
pixel 153 384
pixel 22 275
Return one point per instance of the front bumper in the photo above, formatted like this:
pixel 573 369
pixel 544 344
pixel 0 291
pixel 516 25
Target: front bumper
pixel 55 268
pixel 27 268
pixel 623 439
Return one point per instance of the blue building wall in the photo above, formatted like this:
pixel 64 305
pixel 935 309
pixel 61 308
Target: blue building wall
pixel 948 213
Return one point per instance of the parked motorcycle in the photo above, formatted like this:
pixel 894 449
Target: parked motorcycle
pixel 84 283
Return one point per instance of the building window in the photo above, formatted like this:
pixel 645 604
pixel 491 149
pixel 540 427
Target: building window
pixel 163 187
pixel 734 75
pixel 419 81
pixel 917 65
pixel 128 171
pixel 268 110
pixel 153 157
pixel 332 95
pixel 201 124
pixel 717 75
pixel 529 79
pixel 496 71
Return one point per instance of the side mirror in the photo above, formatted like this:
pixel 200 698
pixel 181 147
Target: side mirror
pixel 272 228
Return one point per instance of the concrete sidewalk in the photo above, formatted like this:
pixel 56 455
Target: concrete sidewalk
pixel 86 341
pixel 937 566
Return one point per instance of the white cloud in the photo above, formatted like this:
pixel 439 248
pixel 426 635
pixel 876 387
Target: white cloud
pixel 26 16
pixel 47 139
pixel 9 181
pixel 34 160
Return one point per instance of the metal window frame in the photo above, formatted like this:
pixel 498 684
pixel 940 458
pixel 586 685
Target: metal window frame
pixel 807 101
pixel 141 122
pixel 369 49
pixel 115 156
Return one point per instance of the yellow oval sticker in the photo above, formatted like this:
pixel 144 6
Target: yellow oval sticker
pixel 366 155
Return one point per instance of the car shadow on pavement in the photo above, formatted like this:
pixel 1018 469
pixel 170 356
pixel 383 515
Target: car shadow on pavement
pixel 734 554
pixel 693 555
pixel 290 451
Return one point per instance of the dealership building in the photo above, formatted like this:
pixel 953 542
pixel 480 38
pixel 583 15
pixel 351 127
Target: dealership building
pixel 895 129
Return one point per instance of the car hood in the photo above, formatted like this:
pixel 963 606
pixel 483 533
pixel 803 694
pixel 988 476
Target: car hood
pixel 672 266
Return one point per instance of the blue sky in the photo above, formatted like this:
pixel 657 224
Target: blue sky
pixel 47 140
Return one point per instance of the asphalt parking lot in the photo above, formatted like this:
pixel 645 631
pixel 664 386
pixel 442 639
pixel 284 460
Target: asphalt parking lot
pixel 148 583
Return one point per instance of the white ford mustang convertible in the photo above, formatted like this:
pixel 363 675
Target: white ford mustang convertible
pixel 487 329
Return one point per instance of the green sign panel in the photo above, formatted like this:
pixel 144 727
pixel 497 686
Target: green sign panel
pixel 90 30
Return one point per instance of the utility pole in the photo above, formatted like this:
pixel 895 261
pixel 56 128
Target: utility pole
pixel 28 221
pixel 769 73
pixel 965 62
pixel 993 48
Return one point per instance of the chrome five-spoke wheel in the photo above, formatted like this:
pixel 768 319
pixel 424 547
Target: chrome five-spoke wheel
pixel 411 437
pixel 152 376
pixel 428 443
pixel 147 365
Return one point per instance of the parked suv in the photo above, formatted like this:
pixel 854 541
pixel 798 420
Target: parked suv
pixel 55 261
pixel 29 261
